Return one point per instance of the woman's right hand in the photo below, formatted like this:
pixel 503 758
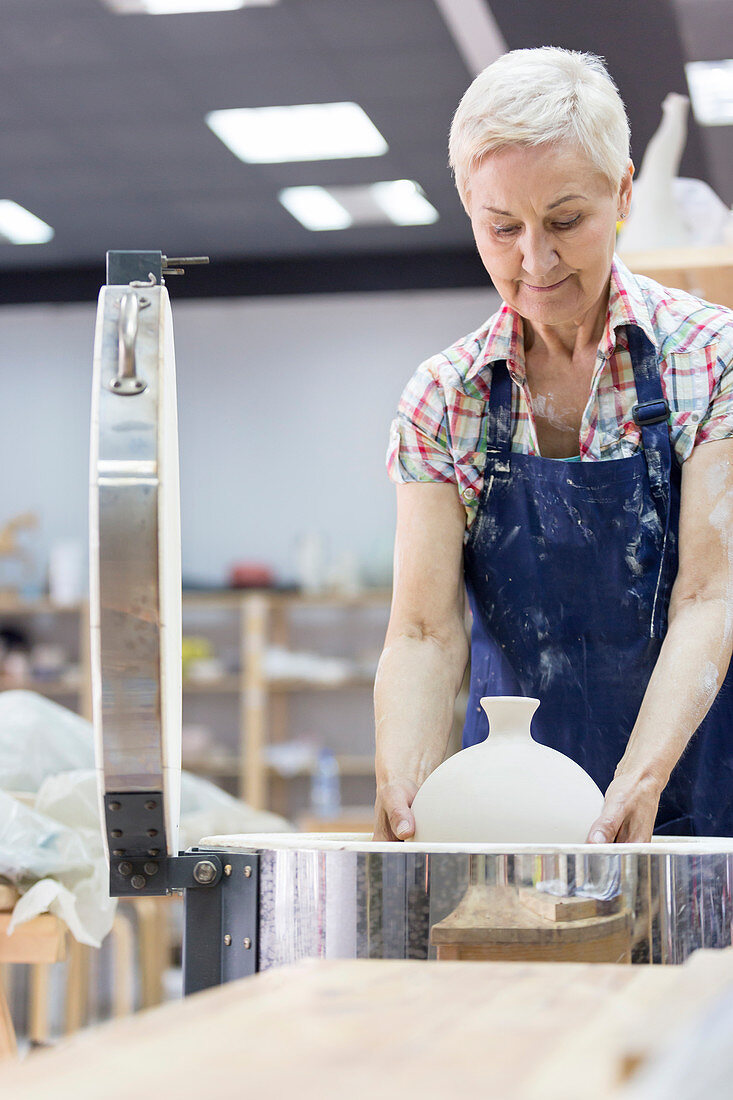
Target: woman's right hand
pixel 393 816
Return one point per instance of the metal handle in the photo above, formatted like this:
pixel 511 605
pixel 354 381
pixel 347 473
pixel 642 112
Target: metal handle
pixel 127 383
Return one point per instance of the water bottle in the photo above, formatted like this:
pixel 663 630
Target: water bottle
pixel 326 786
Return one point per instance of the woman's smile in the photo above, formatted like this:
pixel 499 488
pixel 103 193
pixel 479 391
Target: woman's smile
pixel 545 289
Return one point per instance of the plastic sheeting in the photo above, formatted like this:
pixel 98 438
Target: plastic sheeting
pixel 51 841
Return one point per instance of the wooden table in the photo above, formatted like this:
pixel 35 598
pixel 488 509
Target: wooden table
pixel 363 1029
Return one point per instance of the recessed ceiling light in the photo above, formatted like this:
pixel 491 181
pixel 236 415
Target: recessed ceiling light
pixel 19 226
pixel 315 208
pixel 178 7
pixel 711 91
pixel 306 131
pixel 404 202
pixel 393 202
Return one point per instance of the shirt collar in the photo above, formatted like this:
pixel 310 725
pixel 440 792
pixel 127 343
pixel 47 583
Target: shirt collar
pixel 505 333
pixel 504 340
pixel 626 306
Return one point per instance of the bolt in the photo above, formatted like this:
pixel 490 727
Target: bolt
pixel 119 852
pixel 116 833
pixel 124 868
pixel 138 881
pixel 227 869
pixel 152 832
pixel 150 868
pixel 150 805
pixel 247 871
pixel 204 872
pixel 153 851
pixel 247 943
pixel 114 806
pixel 227 940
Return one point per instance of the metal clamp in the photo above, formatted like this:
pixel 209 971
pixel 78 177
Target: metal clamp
pixel 126 383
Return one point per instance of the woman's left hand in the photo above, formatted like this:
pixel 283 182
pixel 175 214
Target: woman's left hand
pixel 629 812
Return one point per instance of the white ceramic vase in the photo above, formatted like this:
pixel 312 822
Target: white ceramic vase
pixel 507 790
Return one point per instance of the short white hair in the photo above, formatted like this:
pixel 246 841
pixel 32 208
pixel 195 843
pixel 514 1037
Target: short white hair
pixel 544 96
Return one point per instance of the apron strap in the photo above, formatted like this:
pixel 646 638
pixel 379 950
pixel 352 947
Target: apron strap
pixel 499 420
pixel 651 414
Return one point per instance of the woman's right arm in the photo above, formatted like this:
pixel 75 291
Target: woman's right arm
pixel 425 653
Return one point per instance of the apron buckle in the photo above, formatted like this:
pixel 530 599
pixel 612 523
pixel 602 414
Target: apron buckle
pixel 651 412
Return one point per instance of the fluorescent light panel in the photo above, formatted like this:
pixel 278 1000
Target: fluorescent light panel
pixel 179 7
pixel 392 202
pixel 404 202
pixel 711 91
pixel 19 226
pixel 305 131
pixel 315 208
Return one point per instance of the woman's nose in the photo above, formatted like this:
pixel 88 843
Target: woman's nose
pixel 539 257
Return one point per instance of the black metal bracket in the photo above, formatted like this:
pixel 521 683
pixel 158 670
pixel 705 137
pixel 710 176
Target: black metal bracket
pixel 221 929
pixel 146 268
pixel 139 862
pixel 128 267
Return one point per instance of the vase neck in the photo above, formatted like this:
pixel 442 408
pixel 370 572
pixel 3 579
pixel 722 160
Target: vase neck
pixel 509 715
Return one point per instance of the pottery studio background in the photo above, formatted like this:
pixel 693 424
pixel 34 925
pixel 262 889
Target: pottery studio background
pixel 294 344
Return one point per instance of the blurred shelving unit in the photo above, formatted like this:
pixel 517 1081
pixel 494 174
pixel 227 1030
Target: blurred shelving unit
pixel 46 622
pixel 263 619
pixel 268 619
pixel 253 709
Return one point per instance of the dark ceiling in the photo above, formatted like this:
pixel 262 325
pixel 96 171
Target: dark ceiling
pixel 102 129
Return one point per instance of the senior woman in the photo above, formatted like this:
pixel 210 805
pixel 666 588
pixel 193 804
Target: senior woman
pixel 569 464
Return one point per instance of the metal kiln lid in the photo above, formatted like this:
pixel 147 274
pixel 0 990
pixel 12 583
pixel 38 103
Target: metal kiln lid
pixel 135 570
pixel 362 842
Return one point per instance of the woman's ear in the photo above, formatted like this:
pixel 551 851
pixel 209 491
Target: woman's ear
pixel 624 191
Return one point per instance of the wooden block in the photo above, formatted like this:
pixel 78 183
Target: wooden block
pixel 566 909
pixel 493 917
pixel 613 947
pixel 41 940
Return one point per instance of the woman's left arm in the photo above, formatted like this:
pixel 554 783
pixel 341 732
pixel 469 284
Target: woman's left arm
pixel 695 654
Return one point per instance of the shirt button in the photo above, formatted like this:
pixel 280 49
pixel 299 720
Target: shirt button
pixel 469 494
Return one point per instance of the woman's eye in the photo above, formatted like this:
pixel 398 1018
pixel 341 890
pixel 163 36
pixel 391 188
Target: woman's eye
pixel 504 230
pixel 569 224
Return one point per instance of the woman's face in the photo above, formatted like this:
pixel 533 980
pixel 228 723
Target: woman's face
pixel 544 220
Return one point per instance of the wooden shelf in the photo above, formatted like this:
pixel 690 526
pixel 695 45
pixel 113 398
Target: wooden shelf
pixel 12 607
pixel 222 767
pixel 223 685
pixel 348 765
pixel 43 687
pixel 284 684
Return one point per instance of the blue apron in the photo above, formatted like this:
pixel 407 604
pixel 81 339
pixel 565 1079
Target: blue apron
pixel 569 569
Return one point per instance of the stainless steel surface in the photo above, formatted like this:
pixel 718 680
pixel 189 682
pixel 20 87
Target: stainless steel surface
pixel 135 550
pixel 321 897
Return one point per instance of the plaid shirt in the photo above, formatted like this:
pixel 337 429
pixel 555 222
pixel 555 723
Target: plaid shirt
pixel 439 433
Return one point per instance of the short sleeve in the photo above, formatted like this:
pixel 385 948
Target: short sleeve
pixel 717 422
pixel 418 443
